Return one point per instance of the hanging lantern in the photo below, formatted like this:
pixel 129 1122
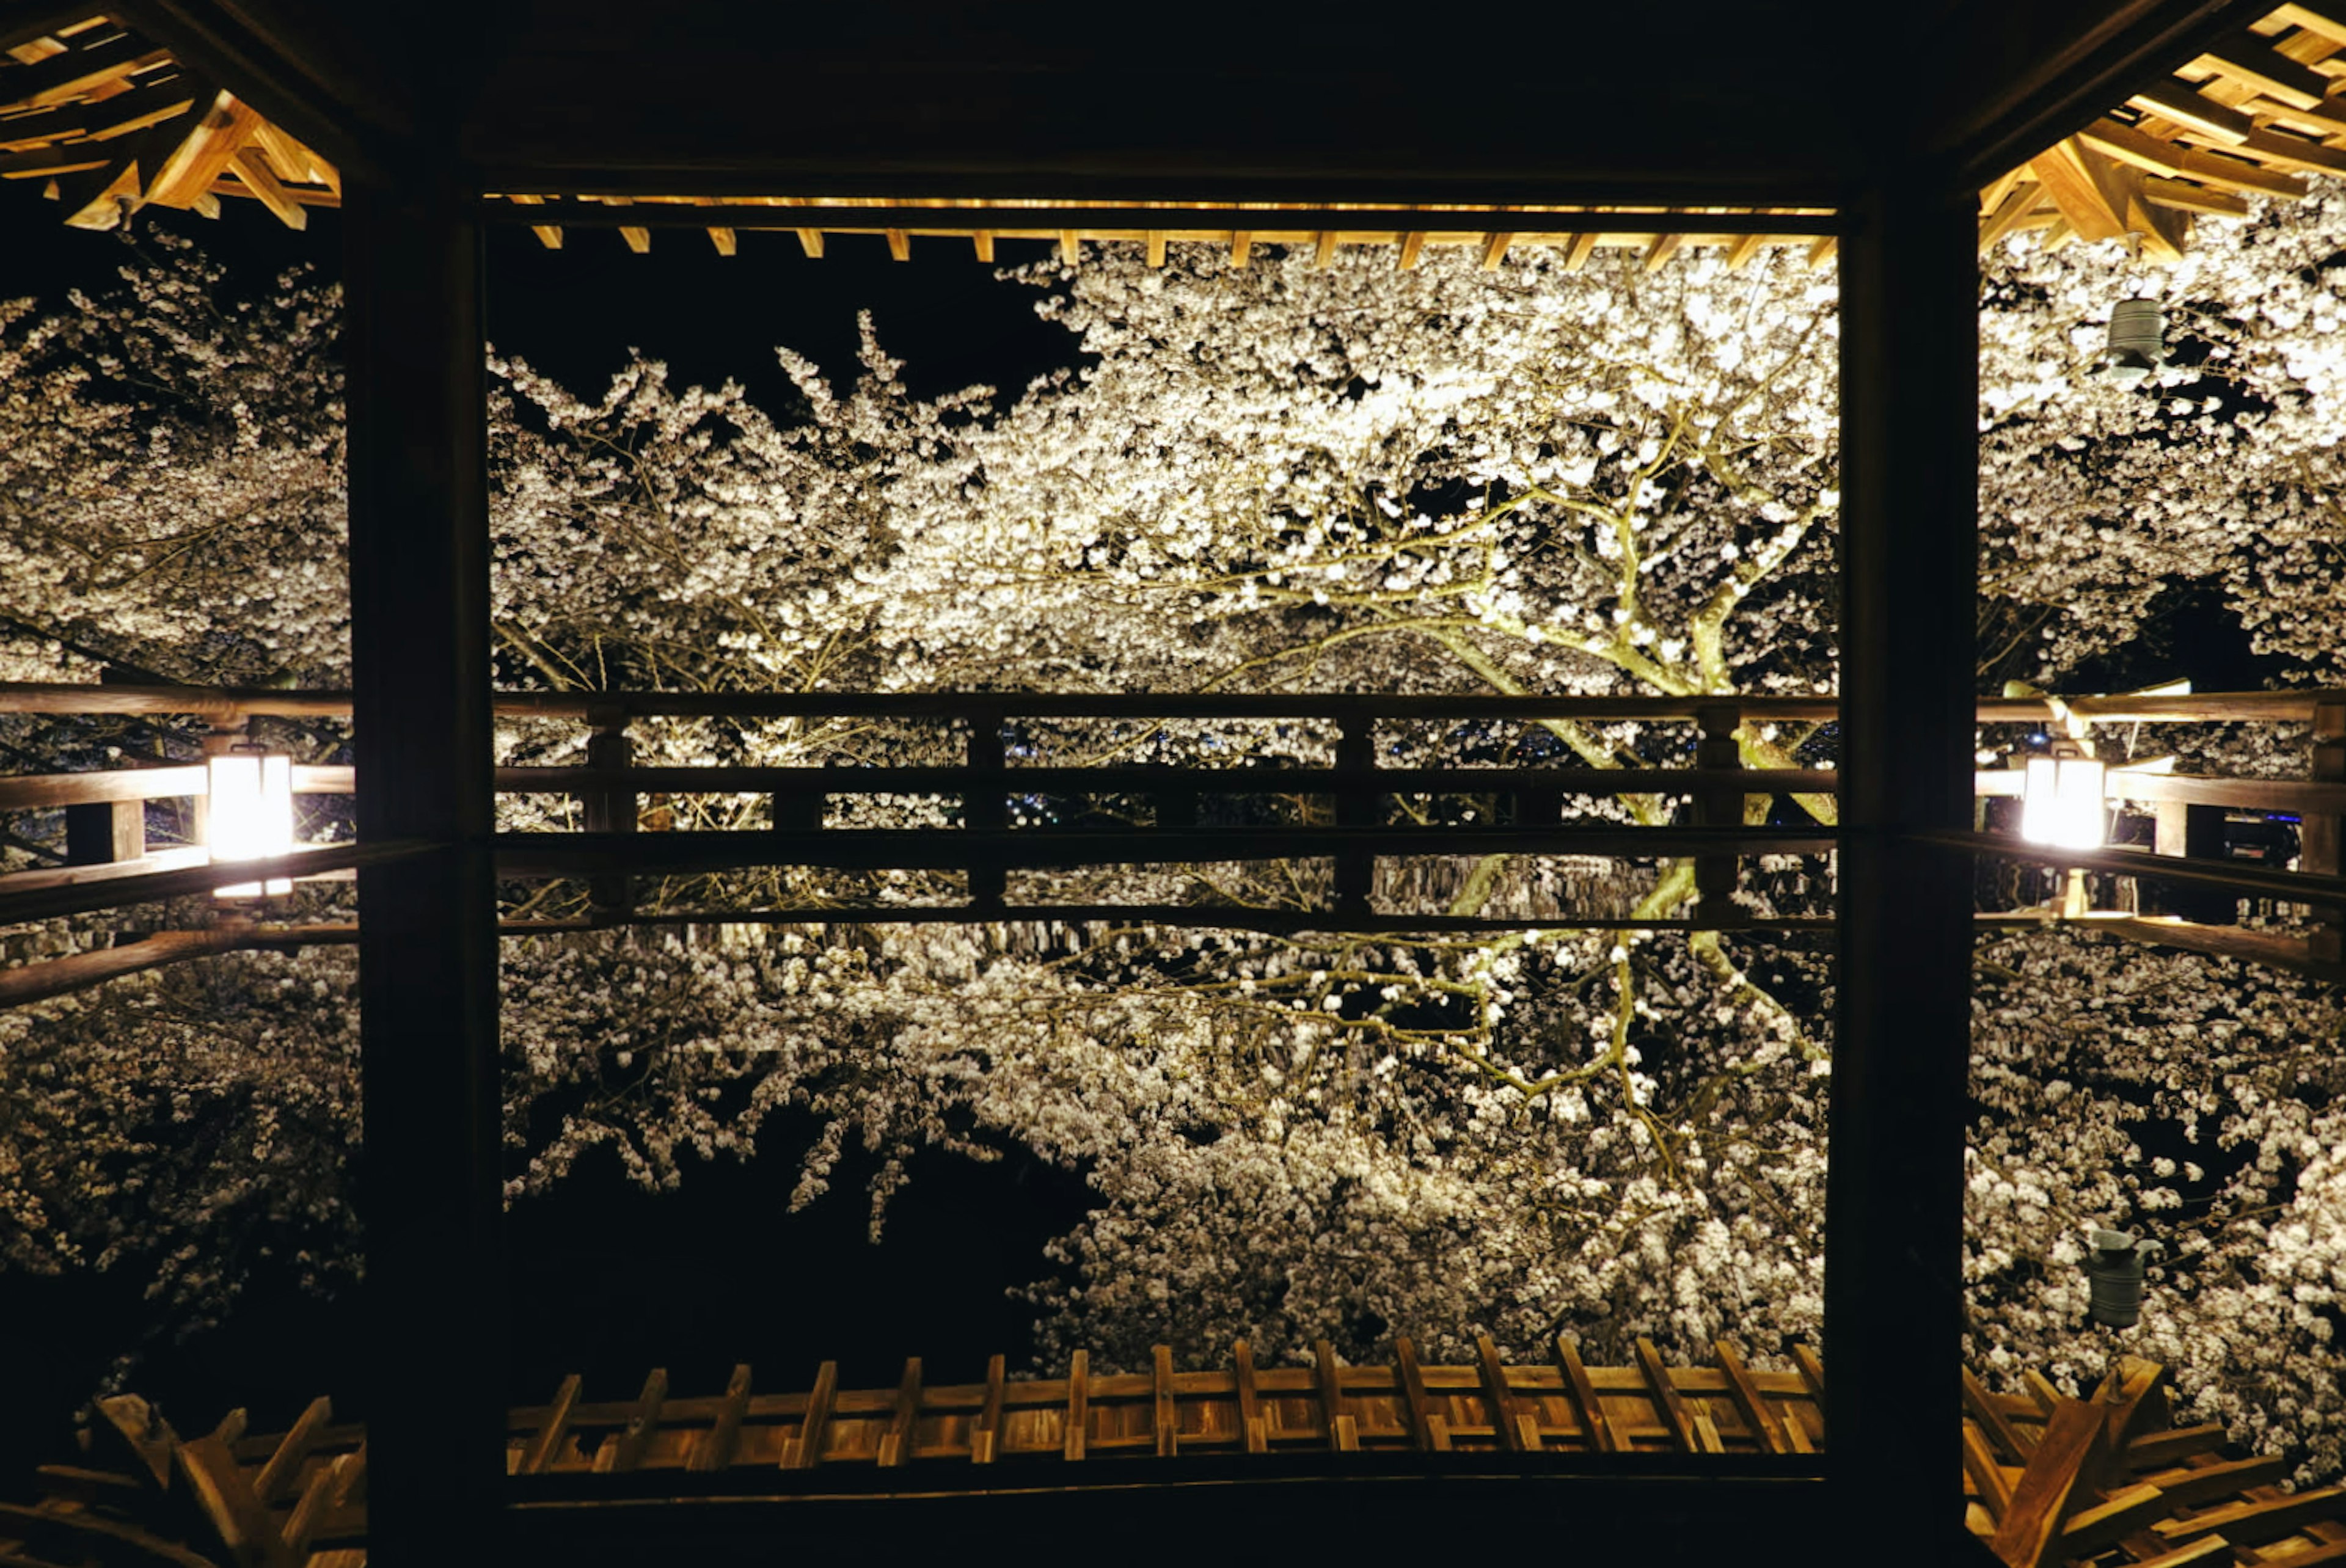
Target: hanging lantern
pixel 251 814
pixel 2062 804
pixel 2137 343
pixel 2114 1276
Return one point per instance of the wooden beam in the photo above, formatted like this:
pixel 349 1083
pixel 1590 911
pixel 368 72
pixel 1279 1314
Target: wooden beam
pixel 432 1172
pixel 1165 1410
pixel 716 1447
pixel 1241 246
pixel 805 1451
pixel 2248 60
pixel 982 242
pixel 2070 173
pixel 900 245
pixel 1494 249
pixel 1908 569
pixel 251 167
pixel 639 239
pixel 726 241
pixel 1154 243
pixel 2059 1474
pixel 1071 247
pixel 1412 243
pixel 1250 1403
pixel 904 1423
pixel 1076 1424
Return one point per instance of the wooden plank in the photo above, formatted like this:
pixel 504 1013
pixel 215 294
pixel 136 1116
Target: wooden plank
pixel 2057 1476
pixel 726 241
pixel 2100 1526
pixel 2213 1553
pixel 1413 244
pixel 1663 247
pixel 40 791
pixel 1249 1404
pixel 2167 1448
pixel 2194 1486
pixel 1987 1475
pixel 1577 254
pixel 2252 1522
pixel 2018 203
pixel 2067 171
pixel 1757 1416
pixel 1079 1417
pixel 224 1498
pixel 715 1449
pixel 2010 1447
pixel 539 1457
pixel 1071 247
pixel 982 242
pixel 1667 1405
pixel 805 1451
pixel 1167 1414
pixel 1498 1396
pixel 275 1481
pixel 2174 101
pixel 810 243
pixel 1582 1394
pixel 252 168
pixel 1495 249
pixel 205 155
pixel 1241 248
pixel 896 1442
pixel 2281 151
pixel 1411 1379
pixel 900 245
pixel 1327 1383
pixel 64 77
pixel 2186 196
pixel 98 1538
pixel 639 238
pixel 1153 243
pixel 625 1449
pixel 1323 249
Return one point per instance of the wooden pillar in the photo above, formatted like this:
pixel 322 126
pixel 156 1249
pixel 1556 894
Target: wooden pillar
pixel 610 896
pixel 2318 833
pixel 105 832
pixel 1356 807
pixel 2193 832
pixel 1909 568
pixel 985 805
pixel 430 1177
pixel 1716 877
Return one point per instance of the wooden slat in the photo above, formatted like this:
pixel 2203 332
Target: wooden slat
pixel 2173 100
pixel 2057 1476
pixel 715 1449
pixel 1168 1414
pixel 1153 244
pixel 1497 1395
pixel 1327 1384
pixel 896 1442
pixel 2250 1522
pixel 2010 1447
pixel 982 242
pixel 224 1497
pixel 1667 1405
pixel 275 1481
pixel 1987 1475
pixel 625 1449
pixel 2194 1486
pixel 2098 1527
pixel 2248 60
pixel 1757 1416
pixel 1495 249
pixel 725 241
pixel 1583 1392
pixel 1413 244
pixel 1323 249
pixel 2213 1553
pixel 98 1538
pixel 1249 1404
pixel 987 1432
pixel 539 1456
pixel 805 1451
pixel 1241 246
pixel 1411 1379
pixel 1078 1416
pixel 2161 1449
pixel 2070 173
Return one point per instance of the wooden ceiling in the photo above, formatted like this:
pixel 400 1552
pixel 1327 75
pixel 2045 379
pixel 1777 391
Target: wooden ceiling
pixel 594 119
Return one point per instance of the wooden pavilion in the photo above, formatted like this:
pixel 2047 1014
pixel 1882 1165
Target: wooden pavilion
pixel 1890 144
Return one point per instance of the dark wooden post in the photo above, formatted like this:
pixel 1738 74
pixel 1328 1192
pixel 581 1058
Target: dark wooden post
pixel 106 832
pixel 430 1178
pixel 1715 876
pixel 612 894
pixel 2197 833
pixel 1356 807
pixel 985 804
pixel 1909 568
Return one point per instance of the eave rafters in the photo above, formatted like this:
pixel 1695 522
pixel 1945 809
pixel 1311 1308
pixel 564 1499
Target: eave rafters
pixel 2250 116
pixel 109 123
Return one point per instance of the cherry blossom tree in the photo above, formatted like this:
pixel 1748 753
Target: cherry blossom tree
pixel 1272 478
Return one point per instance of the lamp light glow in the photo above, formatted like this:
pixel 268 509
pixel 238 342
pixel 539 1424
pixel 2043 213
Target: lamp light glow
pixel 2062 802
pixel 251 816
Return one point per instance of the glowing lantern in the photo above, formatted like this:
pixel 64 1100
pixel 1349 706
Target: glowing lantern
pixel 2062 802
pixel 251 815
